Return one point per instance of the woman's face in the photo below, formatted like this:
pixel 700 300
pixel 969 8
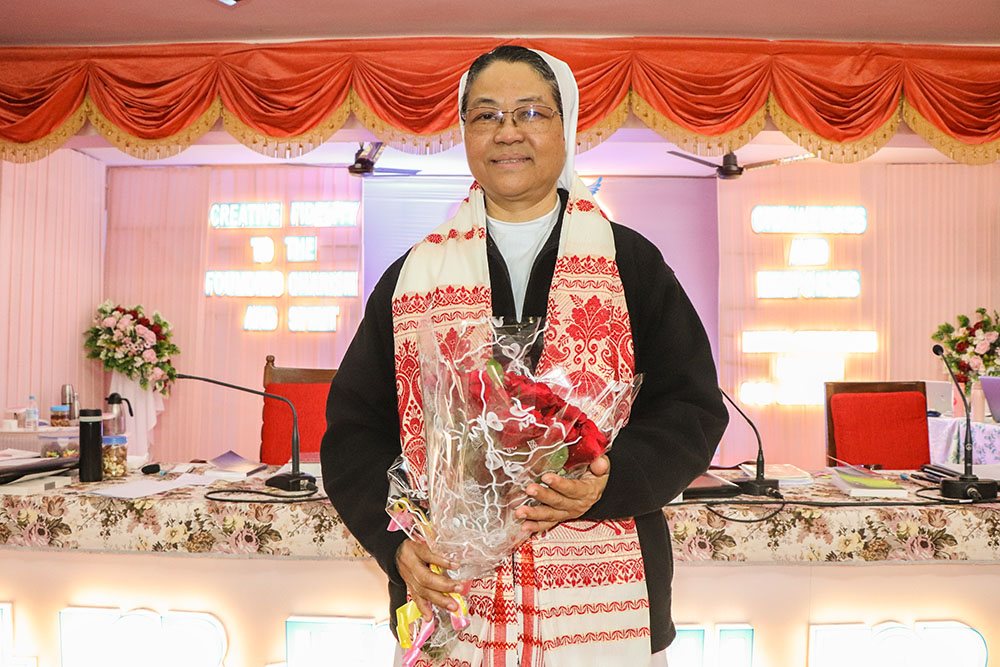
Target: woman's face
pixel 517 169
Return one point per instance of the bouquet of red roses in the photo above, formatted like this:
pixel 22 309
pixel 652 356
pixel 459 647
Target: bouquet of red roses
pixel 492 426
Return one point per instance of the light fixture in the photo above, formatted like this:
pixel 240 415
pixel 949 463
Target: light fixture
pixel 230 3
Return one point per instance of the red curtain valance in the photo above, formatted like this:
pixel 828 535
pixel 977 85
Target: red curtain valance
pixel 709 96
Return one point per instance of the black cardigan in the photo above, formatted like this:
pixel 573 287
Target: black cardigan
pixel 676 423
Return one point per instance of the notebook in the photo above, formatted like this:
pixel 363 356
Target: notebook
pixel 859 483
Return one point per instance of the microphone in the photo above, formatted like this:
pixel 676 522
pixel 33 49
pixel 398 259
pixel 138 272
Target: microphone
pixel 758 485
pixel 967 485
pixel 286 481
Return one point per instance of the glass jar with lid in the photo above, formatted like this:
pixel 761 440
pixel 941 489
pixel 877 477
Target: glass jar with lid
pixel 59 416
pixel 114 456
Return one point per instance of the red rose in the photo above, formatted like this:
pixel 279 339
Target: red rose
pixel 977 326
pixel 962 377
pixel 591 444
pixel 156 328
pixel 963 366
pixel 961 346
pixel 143 321
pixel 118 309
pixel 134 314
pixel 533 394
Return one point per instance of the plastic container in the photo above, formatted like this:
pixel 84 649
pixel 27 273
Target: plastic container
pixel 59 416
pixel 114 456
pixel 58 446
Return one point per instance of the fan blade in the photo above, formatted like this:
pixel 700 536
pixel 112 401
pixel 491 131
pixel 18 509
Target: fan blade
pixel 392 173
pixel 694 159
pixel 388 171
pixel 780 160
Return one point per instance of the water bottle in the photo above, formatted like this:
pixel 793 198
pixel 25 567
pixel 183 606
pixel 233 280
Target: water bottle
pixel 31 415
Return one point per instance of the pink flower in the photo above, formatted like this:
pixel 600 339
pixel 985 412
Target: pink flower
pixel 157 375
pixel 697 547
pixel 124 323
pixel 991 336
pixel 149 355
pixel 109 322
pixel 919 547
pixel 36 534
pixel 976 364
pixel 243 542
pixel 982 347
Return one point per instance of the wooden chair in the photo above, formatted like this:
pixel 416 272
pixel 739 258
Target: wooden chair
pixel 307 389
pixel 883 423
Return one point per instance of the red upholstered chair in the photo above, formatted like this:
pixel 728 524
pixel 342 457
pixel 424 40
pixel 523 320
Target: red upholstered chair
pixel 307 389
pixel 882 423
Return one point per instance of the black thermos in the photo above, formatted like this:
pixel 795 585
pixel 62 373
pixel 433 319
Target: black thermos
pixel 91 441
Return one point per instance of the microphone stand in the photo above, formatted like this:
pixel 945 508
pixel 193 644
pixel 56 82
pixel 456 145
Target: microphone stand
pixel 967 485
pixel 758 485
pixel 286 481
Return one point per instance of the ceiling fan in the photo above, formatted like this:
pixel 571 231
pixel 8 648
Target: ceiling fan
pixel 730 168
pixel 365 159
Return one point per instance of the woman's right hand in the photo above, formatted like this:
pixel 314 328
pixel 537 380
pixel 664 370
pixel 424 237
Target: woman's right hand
pixel 426 587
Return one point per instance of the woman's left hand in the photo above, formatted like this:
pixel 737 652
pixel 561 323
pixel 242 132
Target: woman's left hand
pixel 564 499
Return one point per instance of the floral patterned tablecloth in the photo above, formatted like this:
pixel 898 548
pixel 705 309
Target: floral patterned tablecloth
pixel 182 521
pixel 177 521
pixel 947 437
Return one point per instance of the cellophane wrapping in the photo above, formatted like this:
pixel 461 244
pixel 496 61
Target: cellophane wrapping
pixel 492 426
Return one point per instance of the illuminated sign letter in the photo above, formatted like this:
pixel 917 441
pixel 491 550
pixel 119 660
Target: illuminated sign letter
pixel 324 213
pixel 263 249
pixel 808 252
pixel 809 219
pixel 300 248
pixel 244 283
pixel 245 216
pixel 323 283
pixel 808 284
pixel 313 318
pixel 260 318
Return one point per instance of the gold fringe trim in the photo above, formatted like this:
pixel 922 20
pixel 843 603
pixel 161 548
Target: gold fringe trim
pixel 692 142
pixel 286 147
pixel 832 151
pixel 399 139
pixel 590 138
pixel 31 151
pixel 154 149
pixel 958 151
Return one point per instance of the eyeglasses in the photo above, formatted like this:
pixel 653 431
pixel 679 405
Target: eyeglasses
pixel 530 118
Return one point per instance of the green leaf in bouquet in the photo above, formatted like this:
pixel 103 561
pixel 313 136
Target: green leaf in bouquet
pixel 495 372
pixel 557 459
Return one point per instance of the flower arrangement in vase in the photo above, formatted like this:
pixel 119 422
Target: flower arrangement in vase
pixel 973 348
pixel 138 347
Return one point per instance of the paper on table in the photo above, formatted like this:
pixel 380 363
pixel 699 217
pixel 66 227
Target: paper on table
pixel 9 454
pixel 139 488
pixel 191 479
